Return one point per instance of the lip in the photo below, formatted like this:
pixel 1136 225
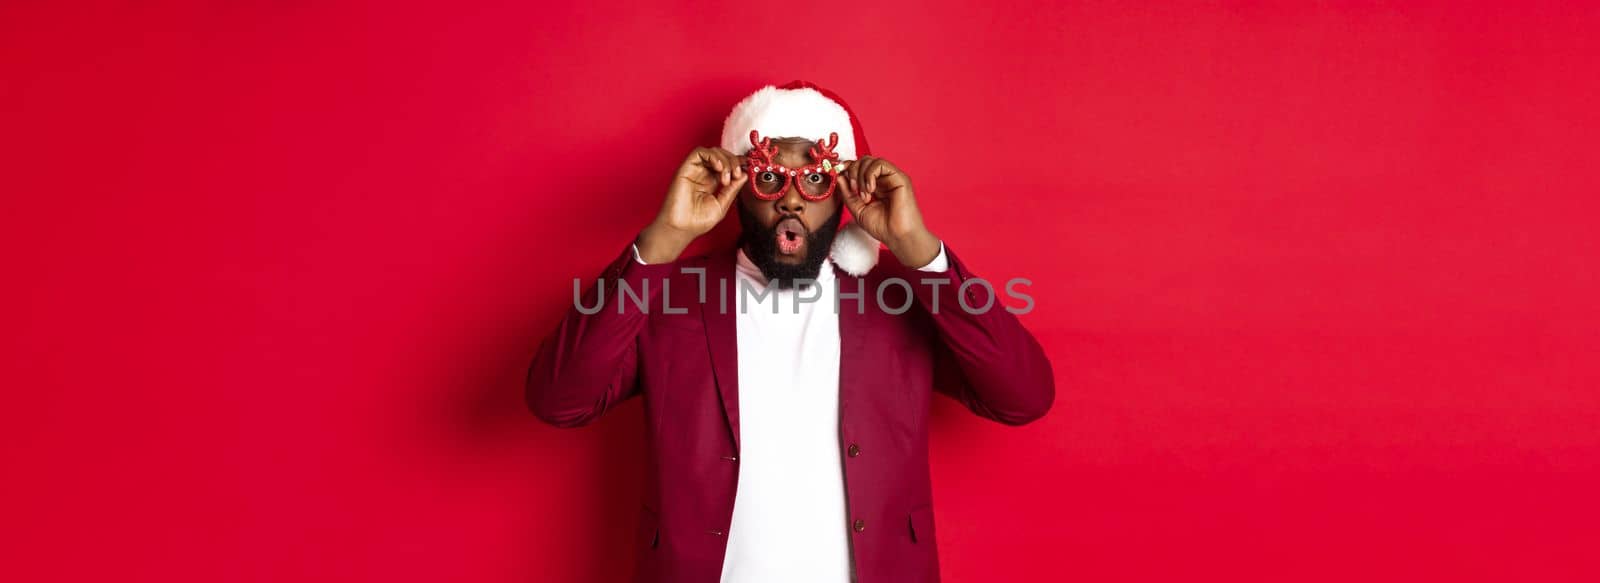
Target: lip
pixel 791 235
pixel 796 218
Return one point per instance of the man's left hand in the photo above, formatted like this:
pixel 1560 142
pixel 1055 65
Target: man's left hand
pixel 880 197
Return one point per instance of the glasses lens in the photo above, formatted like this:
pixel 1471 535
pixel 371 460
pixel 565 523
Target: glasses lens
pixel 768 182
pixel 815 183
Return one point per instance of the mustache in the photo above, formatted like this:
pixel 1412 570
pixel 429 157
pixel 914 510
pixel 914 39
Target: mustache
pixel 785 217
pixel 760 243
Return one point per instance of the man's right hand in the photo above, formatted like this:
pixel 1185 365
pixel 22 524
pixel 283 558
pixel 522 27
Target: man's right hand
pixel 706 186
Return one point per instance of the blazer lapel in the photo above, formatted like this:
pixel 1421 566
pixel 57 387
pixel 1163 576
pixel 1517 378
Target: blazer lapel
pixel 722 339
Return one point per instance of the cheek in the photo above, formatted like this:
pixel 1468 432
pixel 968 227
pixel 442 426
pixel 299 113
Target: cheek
pixel 760 209
pixel 818 213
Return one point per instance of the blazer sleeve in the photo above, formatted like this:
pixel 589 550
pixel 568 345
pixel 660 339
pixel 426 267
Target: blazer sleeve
pixel 590 363
pixel 983 358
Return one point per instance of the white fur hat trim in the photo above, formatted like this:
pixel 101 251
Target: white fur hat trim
pixel 788 113
pixel 854 250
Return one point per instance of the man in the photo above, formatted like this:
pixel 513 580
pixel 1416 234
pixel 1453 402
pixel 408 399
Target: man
pixel 786 382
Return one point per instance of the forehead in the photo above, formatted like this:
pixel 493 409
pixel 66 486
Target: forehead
pixel 793 151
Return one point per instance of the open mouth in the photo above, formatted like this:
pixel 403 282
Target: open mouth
pixel 791 236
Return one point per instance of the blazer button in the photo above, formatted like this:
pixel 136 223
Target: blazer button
pixel 859 525
pixel 854 450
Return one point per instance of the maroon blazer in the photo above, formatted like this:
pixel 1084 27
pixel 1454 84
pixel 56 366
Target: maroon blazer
pixel 685 365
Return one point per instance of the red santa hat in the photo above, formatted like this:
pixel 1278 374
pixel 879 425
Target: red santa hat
pixel 800 109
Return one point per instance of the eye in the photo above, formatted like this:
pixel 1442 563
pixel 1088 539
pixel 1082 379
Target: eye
pixel 769 177
pixel 814 178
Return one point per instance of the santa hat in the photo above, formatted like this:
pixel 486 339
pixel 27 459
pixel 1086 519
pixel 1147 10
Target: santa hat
pixel 799 109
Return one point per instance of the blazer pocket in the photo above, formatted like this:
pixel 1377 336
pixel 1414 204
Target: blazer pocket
pixel 922 525
pixel 649 533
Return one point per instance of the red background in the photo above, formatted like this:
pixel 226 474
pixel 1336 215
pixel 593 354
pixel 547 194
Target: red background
pixel 1318 282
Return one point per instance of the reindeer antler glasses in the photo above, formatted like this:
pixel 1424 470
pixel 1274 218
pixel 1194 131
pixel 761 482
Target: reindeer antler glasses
pixel 769 180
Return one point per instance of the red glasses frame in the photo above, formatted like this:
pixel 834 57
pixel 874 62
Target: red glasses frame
pixel 760 162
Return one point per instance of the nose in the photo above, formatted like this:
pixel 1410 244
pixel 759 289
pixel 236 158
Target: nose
pixel 792 202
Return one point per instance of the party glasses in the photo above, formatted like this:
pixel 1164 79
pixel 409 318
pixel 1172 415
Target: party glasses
pixel 769 180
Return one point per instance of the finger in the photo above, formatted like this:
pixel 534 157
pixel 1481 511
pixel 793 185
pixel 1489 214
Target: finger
pixel 858 183
pixel 735 178
pixel 852 197
pixel 862 196
pixel 880 171
pixel 729 193
pixel 870 174
pixel 695 166
pixel 712 160
pixel 852 174
pixel 704 157
pixel 731 163
pixel 869 177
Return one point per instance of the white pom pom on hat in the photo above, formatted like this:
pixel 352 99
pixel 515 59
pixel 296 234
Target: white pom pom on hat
pixel 800 109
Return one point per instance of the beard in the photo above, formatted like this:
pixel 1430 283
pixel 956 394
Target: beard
pixel 760 243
